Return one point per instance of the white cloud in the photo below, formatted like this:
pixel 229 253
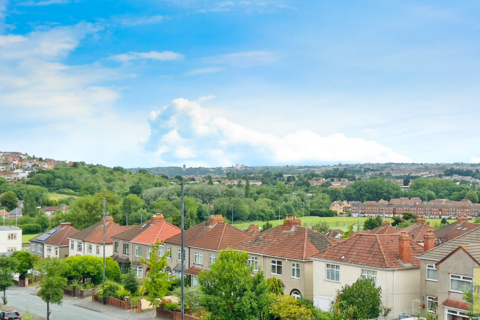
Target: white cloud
pixel 141 20
pixel 218 141
pixel 43 3
pixel 205 98
pixel 242 59
pixel 474 160
pixel 205 70
pixel 154 55
pixel 3 9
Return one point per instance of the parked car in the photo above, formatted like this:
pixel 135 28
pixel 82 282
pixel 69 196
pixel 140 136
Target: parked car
pixel 10 315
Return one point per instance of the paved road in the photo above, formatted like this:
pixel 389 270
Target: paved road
pixel 71 309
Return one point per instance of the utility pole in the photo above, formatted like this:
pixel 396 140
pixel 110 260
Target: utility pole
pixel 182 250
pixel 232 214
pixel 303 209
pixel 279 212
pixel 104 236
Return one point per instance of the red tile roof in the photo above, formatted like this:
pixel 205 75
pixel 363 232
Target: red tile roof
pixel 383 229
pixel 416 231
pixel 299 243
pixel 456 304
pixel 379 251
pixel 4 213
pixel 94 234
pixel 193 271
pixel 214 237
pixel 60 238
pixel 160 231
pixel 452 231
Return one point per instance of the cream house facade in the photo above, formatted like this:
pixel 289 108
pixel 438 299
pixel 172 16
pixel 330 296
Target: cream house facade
pixel 10 239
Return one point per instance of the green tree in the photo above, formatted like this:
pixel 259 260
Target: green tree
pixel 362 299
pixel 157 280
pixel 396 221
pixel 129 281
pixel 288 308
pixel 29 205
pixel 26 261
pixel 275 286
pixel 444 221
pixel 409 216
pixel 43 221
pixel 8 266
pixel 230 291
pixel 321 227
pixel 372 223
pixel 472 196
pixel 267 226
pixel 247 189
pixel 406 182
pixel 52 283
pixel 9 200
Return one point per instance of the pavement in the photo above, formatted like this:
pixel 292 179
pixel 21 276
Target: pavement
pixel 71 309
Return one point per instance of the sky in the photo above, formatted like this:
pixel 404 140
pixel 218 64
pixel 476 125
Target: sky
pixel 149 83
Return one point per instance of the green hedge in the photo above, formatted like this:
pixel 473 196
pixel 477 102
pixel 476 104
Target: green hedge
pixel 31 228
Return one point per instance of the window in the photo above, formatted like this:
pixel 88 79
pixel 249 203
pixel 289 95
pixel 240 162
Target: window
pixel 432 304
pixel 253 261
pixel 138 251
pixel 72 245
pixel 126 248
pixel 116 247
pixel 179 254
pixel 370 274
pixel 456 315
pixel 169 252
pixel 460 284
pixel 148 253
pixel 98 249
pixel 295 270
pixel 432 272
pixel 56 251
pixel 212 258
pixel 12 236
pixel 333 272
pixel 198 257
pixel 49 249
pixel 89 248
pixel 11 249
pixel 40 248
pixel 138 271
pixel 161 251
pixel 33 247
pixel 276 267
pixel 79 246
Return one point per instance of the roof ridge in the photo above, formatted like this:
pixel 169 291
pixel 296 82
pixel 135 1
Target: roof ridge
pixel 381 250
pixel 305 245
pixel 159 231
pixel 66 233
pixel 449 242
pixel 221 238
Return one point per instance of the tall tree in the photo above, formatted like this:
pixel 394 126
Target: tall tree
pixel 361 300
pixel 8 265
pixel 472 196
pixel 372 223
pixel 26 261
pixel 247 189
pixel 288 308
pixel 157 280
pixel 9 200
pixel 230 291
pixel 29 205
pixel 52 283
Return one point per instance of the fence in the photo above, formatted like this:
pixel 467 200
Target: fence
pixel 114 302
pixel 78 293
pixel 174 315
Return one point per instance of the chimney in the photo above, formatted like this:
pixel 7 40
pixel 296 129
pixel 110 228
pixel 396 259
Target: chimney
pixel 462 219
pixel 290 222
pixel 428 240
pixel 109 219
pixel 214 219
pixel 65 224
pixel 421 220
pixel 385 223
pixel 157 218
pixel 404 247
pixel 252 227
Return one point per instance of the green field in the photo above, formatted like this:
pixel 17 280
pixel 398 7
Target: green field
pixel 27 237
pixel 333 222
pixel 58 196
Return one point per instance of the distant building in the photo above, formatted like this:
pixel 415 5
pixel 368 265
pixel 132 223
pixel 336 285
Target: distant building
pixel 10 239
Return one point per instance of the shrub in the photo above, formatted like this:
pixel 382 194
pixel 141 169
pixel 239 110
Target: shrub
pixel 31 228
pixel 171 306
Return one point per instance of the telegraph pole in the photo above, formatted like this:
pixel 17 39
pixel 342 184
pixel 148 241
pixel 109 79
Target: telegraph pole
pixel 104 236
pixel 232 214
pixel 183 253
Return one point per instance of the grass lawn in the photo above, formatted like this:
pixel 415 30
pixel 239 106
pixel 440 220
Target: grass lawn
pixel 333 222
pixel 27 237
pixel 58 196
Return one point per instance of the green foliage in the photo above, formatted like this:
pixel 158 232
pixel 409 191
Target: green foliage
pixel 89 268
pixel 52 283
pixel 361 300
pixel 26 260
pixel 372 223
pixel 405 223
pixel 274 285
pixel 193 299
pixel 30 205
pixel 110 289
pixel 230 291
pixel 321 227
pixel 129 281
pixel 409 216
pixel 9 200
pixel 444 221
pixel 31 228
pixel 267 226
pixel 27 315
pixel 396 221
pixel 317 314
pixel 8 266
pixel 472 196
pixel 288 308
pixel 171 306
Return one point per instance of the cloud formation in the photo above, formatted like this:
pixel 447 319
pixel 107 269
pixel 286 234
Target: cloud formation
pixel 154 55
pixel 141 20
pixel 185 132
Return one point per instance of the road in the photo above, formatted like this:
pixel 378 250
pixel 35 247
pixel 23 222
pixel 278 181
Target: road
pixel 71 309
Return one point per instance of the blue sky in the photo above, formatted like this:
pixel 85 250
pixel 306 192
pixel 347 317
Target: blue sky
pixel 207 83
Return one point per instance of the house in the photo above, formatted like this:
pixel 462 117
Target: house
pixel 16 212
pixel 50 210
pixel 132 244
pixel 447 272
pixel 202 244
pixel 252 230
pixel 390 260
pixel 417 231
pixel 37 244
pixel 335 233
pixel 4 213
pixel 90 240
pixel 291 246
pixel 10 239
pixel 454 230
pixel 385 228
pixel 56 246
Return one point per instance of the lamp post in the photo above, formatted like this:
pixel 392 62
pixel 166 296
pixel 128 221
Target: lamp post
pixel 182 250
pixel 232 214
pixel 104 236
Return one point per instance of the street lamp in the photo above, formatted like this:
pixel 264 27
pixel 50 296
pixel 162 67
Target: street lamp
pixel 232 214
pixel 104 236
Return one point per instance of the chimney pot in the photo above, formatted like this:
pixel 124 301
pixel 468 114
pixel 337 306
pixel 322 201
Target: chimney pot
pixel 421 220
pixel 157 218
pixel 404 247
pixel 65 224
pixel 385 223
pixel 109 219
pixel 462 219
pixel 428 240
pixel 291 222
pixel 214 219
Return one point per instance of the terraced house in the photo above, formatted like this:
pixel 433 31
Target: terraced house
pixel 132 244
pixel 285 252
pixel 202 244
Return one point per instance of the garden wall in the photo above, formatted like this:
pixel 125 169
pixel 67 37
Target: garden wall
pixel 174 315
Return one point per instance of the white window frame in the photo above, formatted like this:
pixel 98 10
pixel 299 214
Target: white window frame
pixel 117 246
pixel 161 251
pixel 11 249
pixel 433 300
pixel 212 258
pixel 332 269
pixel 138 271
pixel 148 253
pixel 179 254
pixel 98 249
pixel 432 267
pixel 295 270
pixel 456 314
pixel 253 261
pixel 12 236
pixel 49 249
pixel 275 266
pixel 198 258
pixel 40 248
pixel 89 248
pixel 459 278
pixel 56 251
pixel 126 246
pixel 169 252
pixel 370 274
pixel 138 249
pixel 72 245
pixel 79 246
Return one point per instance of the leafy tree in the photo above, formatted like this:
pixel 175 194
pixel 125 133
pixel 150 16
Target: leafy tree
pixel 247 189
pixel 8 266
pixel 230 291
pixel 29 205
pixel 444 221
pixel 9 200
pixel 52 283
pixel 129 281
pixel 410 216
pixel 177 221
pixel 267 226
pixel 288 308
pixel 372 223
pixel 88 189
pixel 472 196
pixel 83 268
pixel 396 221
pixel 26 260
pixel 405 223
pixel 157 280
pixel 136 189
pixel 321 227
pixel 406 182
pixel 362 299
pixel 275 286
pixel 43 221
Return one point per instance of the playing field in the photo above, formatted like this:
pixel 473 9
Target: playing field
pixel 58 196
pixel 27 237
pixel 333 222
